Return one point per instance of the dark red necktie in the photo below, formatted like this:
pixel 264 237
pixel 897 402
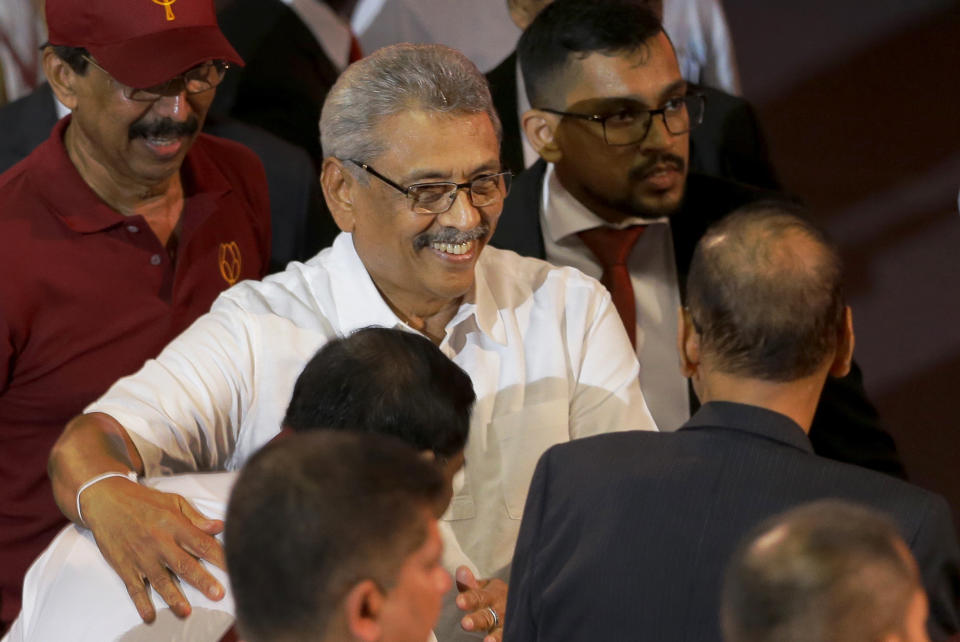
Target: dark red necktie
pixel 612 248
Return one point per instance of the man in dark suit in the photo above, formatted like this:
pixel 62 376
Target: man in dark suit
pixel 728 143
pixel 300 223
pixel 626 536
pixel 612 121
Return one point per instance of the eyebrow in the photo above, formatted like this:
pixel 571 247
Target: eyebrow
pixel 441 176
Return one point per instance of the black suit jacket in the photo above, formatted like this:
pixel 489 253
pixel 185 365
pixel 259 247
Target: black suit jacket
pixel 846 426
pixel 625 536
pixel 728 143
pixel 299 220
pixel 287 74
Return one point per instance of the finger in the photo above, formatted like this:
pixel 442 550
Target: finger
pixel 141 597
pixel 472 600
pixel 465 579
pixel 495 636
pixel 198 519
pixel 478 621
pixel 204 547
pixel 163 583
pixel 191 571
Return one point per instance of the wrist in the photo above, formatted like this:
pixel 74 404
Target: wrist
pixel 131 475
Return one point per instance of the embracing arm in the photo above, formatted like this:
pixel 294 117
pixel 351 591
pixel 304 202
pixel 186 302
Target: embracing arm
pixel 147 536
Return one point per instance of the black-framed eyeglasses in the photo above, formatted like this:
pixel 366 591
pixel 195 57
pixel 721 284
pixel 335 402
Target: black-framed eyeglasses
pixel 437 198
pixel 630 125
pixel 196 80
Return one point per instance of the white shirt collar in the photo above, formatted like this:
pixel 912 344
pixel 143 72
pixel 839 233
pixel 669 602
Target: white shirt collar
pixel 569 216
pixel 479 303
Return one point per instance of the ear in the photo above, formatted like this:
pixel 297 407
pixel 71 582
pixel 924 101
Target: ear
pixel 541 130
pixel 688 343
pixel 338 189
pixel 362 607
pixel 844 356
pixel 62 78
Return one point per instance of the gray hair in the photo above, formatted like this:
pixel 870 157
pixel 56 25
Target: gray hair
pixel 392 80
pixel 828 570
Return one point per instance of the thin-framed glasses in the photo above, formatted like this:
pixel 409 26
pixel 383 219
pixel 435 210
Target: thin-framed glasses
pixel 630 124
pixel 196 80
pixel 437 198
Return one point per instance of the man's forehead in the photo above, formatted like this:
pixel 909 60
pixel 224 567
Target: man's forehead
pixel 641 74
pixel 424 144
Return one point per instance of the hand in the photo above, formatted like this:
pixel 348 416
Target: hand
pixel 475 598
pixel 152 537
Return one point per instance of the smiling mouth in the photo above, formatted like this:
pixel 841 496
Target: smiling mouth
pixel 450 248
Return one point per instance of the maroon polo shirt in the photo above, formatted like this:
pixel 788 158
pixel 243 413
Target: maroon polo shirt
pixel 87 295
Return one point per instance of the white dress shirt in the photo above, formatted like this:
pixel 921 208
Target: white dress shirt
pixel 544 347
pixel 71 593
pixel 653 274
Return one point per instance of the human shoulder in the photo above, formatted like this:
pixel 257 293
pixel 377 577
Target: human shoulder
pixel 514 279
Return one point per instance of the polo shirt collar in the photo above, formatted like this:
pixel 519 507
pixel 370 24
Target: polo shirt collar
pixel 87 212
pixel 359 303
pixel 755 420
pixel 568 216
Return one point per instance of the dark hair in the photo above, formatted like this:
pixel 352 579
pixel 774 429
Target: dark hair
pixel 387 381
pixel 828 570
pixel 73 56
pixel 765 293
pixel 574 28
pixel 312 515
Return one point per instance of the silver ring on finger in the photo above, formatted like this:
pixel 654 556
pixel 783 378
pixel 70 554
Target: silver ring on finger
pixel 496 618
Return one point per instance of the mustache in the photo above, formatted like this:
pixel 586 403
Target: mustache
pixel 164 128
pixel 640 171
pixel 451 235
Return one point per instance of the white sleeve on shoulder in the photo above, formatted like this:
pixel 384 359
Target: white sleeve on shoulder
pixel 607 397
pixel 183 409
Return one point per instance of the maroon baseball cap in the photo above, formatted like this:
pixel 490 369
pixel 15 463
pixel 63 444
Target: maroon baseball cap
pixel 141 43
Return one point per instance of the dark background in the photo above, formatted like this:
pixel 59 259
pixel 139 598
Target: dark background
pixel 860 100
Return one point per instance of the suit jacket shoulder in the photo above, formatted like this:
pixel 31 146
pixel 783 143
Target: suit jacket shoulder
pixel 503 88
pixel 519 225
pixel 26 123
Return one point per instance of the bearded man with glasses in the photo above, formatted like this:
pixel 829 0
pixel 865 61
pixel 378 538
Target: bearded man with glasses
pixel 612 196
pixel 116 233
pixel 412 176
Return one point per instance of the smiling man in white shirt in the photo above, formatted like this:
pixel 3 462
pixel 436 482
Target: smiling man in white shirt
pixel 412 176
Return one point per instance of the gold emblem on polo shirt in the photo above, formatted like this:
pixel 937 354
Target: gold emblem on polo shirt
pixel 166 5
pixel 230 260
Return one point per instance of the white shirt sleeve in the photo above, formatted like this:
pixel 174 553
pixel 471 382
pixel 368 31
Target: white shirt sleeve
pixel 183 409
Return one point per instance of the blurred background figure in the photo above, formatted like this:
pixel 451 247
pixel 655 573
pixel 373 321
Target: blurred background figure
pixel 828 571
pixel 22 31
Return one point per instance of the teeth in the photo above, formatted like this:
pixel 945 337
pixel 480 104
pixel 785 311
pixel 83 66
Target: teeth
pixel 461 248
pixel 161 141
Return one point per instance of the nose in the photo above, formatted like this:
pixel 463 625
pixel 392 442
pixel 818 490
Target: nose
pixel 463 214
pixel 658 137
pixel 175 106
pixel 443 581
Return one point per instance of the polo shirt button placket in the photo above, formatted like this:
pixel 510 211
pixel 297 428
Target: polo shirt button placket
pixel 133 229
pixel 156 259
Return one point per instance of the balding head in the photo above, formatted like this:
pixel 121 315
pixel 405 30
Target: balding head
pixel 829 570
pixel 764 294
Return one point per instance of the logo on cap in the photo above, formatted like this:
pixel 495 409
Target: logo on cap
pixel 166 5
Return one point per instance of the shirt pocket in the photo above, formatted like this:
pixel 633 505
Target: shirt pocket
pixel 523 436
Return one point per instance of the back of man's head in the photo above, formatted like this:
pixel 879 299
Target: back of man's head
pixel 573 29
pixel 764 294
pixel 313 516
pixel 829 571
pixel 386 381
pixel 393 80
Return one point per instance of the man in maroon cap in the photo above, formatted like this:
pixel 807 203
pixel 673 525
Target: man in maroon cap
pixel 115 234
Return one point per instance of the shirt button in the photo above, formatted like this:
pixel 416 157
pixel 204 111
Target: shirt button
pixel 133 229
pixel 155 259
